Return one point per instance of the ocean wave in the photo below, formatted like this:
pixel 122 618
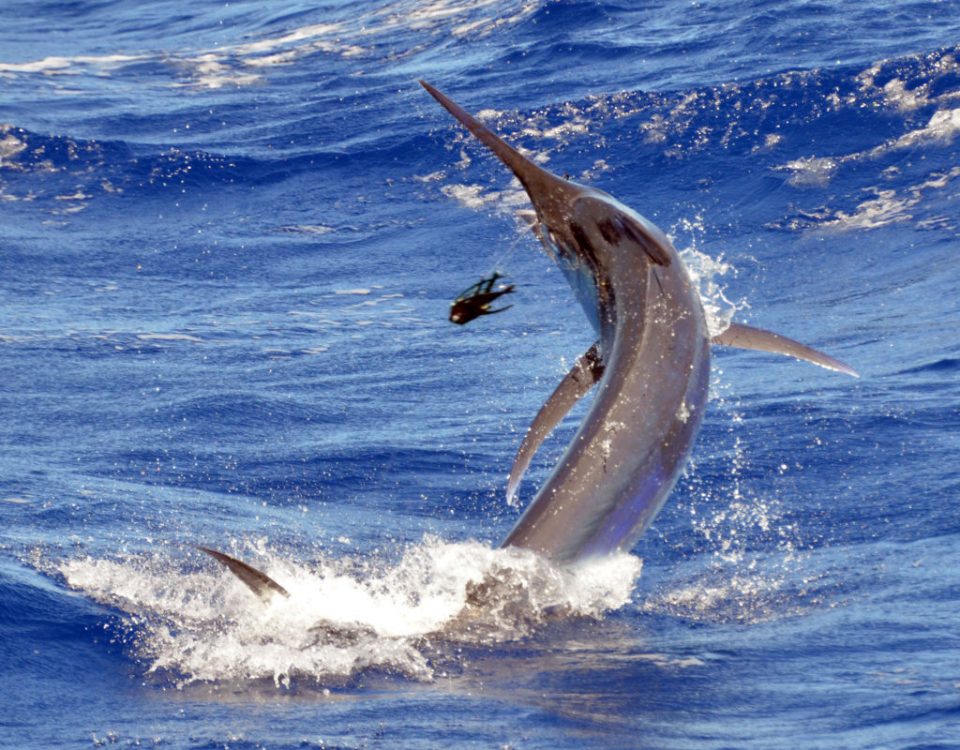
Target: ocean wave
pixel 879 206
pixel 196 622
pixel 244 410
pixel 866 124
pixel 55 172
pixel 897 107
pixel 390 30
pixel 946 364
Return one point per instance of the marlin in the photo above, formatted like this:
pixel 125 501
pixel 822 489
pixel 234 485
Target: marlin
pixel 650 366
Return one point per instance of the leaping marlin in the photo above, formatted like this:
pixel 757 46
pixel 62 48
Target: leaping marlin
pixel 651 366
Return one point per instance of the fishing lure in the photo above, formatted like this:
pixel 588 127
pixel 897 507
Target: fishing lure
pixel 475 300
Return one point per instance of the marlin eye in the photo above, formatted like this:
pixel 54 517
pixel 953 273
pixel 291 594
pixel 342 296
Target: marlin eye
pixel 610 231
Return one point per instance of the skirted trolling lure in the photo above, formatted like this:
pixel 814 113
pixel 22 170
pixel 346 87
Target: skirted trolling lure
pixel 475 300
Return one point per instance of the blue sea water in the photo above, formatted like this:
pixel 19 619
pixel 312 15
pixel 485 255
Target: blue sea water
pixel 230 236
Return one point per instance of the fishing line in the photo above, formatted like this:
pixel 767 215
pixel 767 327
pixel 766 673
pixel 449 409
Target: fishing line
pixel 506 254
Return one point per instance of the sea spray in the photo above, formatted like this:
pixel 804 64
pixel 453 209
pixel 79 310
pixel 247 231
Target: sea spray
pixel 194 621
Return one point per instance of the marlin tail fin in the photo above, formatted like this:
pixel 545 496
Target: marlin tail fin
pixel 259 583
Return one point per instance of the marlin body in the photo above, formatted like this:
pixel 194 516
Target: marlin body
pixel 650 364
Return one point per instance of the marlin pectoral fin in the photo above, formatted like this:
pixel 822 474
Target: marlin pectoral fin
pixel 586 371
pixel 747 337
pixel 259 583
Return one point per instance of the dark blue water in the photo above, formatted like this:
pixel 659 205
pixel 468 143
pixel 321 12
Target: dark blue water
pixel 230 236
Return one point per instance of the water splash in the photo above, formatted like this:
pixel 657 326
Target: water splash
pixel 707 274
pixel 343 616
pixel 750 554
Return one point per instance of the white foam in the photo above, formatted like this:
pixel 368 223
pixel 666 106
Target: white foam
pixel 288 57
pixel 10 146
pixel 308 229
pixel 457 17
pixel 599 167
pixel 69 210
pixel 79 195
pixel 58 65
pixel 811 171
pixel 943 127
pixel 210 71
pixel 343 615
pixel 498 19
pixel 895 92
pixel 432 177
pixel 884 208
pixel 474 196
pixel 470 196
pixel 897 95
pixel 887 206
pixel 296 35
pixel 903 96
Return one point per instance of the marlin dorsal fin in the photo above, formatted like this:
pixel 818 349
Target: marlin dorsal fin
pixel 586 371
pixel 747 337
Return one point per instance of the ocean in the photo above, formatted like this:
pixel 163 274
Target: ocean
pixel 231 233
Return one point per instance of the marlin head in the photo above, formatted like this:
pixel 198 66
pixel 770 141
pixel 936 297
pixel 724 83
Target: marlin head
pixel 585 229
